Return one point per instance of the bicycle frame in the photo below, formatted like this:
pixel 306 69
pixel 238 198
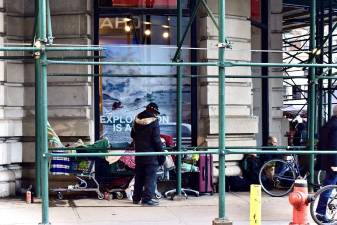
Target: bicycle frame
pixel 292 165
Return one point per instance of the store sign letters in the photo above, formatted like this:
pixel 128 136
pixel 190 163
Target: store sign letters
pixel 119 23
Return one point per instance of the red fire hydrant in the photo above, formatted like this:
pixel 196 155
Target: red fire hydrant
pixel 299 198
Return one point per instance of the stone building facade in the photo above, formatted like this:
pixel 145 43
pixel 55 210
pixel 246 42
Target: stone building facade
pixel 71 99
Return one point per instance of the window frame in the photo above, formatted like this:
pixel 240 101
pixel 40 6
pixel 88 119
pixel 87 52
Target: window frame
pixel 115 12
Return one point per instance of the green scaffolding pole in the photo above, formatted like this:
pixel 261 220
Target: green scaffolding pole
pixel 222 102
pixel 37 105
pixel 330 51
pixel 179 96
pixel 50 37
pixel 312 89
pixel 42 113
pixel 181 39
pixel 38 150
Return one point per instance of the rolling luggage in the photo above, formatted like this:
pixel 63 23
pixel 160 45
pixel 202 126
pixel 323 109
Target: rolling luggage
pixel 205 174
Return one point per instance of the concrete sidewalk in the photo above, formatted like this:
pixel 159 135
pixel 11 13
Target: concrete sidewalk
pixel 193 211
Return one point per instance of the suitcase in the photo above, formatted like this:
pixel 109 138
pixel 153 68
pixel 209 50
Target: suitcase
pixel 206 173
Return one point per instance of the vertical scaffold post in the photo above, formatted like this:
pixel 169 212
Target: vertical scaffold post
pixel 221 220
pixel 179 98
pixel 312 88
pixel 37 105
pixel 330 51
pixel 319 71
pixel 37 133
pixel 50 37
pixel 265 87
pixel 42 113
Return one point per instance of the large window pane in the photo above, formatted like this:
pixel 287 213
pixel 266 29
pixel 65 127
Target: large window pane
pixel 146 39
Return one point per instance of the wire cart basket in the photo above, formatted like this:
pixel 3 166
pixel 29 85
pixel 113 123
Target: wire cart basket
pixel 84 171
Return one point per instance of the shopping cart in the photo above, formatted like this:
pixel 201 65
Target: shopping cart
pixel 84 171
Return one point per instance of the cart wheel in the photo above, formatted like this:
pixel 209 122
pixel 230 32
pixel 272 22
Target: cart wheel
pixel 59 195
pixel 100 196
pixel 119 195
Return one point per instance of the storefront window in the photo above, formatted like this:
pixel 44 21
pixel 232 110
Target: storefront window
pixel 164 4
pixel 145 39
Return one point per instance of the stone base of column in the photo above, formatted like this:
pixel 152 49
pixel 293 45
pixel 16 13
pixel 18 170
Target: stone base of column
pixel 178 197
pixel 218 221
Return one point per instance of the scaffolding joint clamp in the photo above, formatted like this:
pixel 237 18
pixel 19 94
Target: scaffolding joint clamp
pixel 225 64
pixel 227 44
pixel 37 55
pixel 41 46
pixel 222 152
pixel 50 40
pixel 316 52
pixel 315 81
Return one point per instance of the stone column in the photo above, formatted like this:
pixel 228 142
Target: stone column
pixel 11 101
pixel 69 98
pixel 277 124
pixel 241 125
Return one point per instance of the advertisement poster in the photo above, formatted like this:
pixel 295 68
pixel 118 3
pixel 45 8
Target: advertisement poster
pixel 123 97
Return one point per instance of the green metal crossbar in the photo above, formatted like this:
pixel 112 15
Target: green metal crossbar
pixel 227 151
pixel 194 148
pixel 48 62
pixel 223 64
pixel 48 48
pixel 311 65
pixel 127 153
pixel 173 75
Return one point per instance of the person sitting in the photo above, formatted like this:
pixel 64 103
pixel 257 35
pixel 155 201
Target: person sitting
pixel 272 141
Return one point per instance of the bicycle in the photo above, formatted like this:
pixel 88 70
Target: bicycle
pixel 277 176
pixel 331 210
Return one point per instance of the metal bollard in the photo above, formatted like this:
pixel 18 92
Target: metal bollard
pixel 255 205
pixel 299 199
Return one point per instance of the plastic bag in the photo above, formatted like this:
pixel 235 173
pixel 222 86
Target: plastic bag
pixel 169 163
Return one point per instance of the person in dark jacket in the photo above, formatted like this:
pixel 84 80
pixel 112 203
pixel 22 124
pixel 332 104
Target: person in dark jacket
pixel 146 136
pixel 327 141
pixel 272 141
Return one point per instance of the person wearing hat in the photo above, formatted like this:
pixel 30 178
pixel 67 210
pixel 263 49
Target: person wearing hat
pixel 146 137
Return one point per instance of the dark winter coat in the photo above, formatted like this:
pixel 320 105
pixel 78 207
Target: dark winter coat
pixel 146 136
pixel 328 141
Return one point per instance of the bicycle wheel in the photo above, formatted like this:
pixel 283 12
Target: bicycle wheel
pixel 331 209
pixel 277 177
